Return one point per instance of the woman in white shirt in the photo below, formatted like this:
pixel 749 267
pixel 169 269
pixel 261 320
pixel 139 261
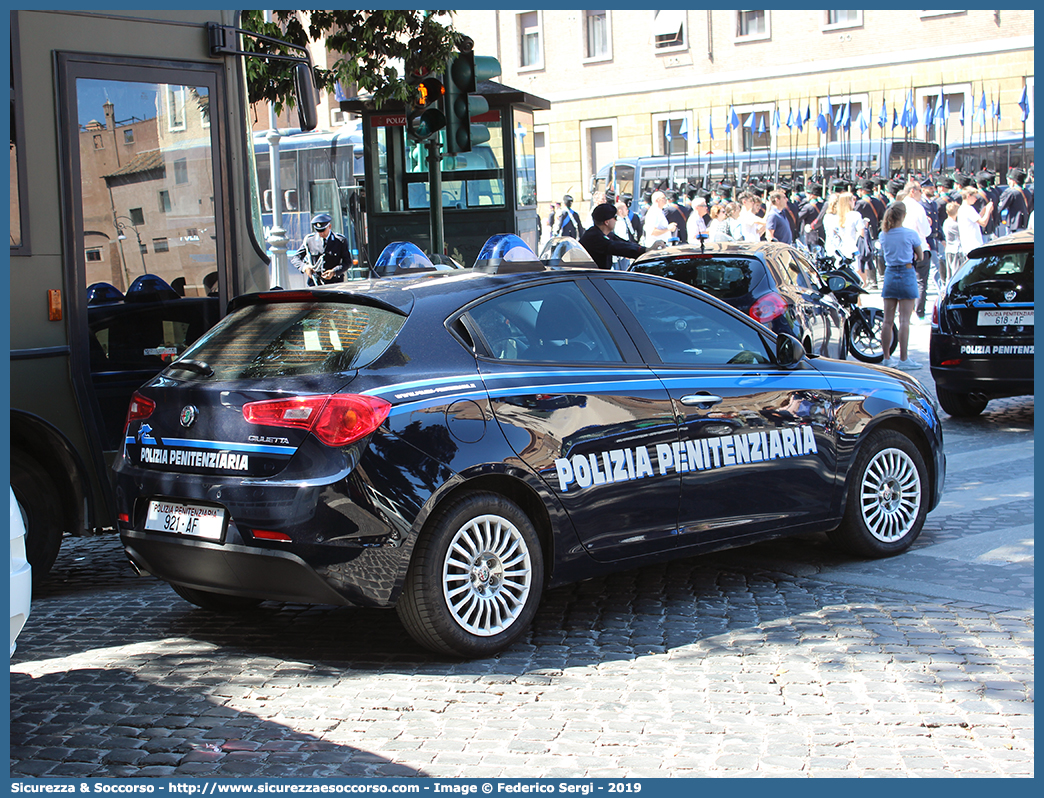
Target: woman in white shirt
pixel 842 225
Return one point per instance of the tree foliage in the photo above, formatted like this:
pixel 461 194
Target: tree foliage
pixel 366 41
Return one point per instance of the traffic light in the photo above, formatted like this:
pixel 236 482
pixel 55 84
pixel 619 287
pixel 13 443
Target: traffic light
pixel 463 72
pixel 424 118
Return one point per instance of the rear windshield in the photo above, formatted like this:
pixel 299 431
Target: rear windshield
pixel 725 278
pixel 294 338
pixel 1001 270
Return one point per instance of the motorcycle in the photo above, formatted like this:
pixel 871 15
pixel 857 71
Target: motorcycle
pixel 862 333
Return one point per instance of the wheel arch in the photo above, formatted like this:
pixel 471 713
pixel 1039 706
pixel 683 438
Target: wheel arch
pixel 43 443
pixel 915 433
pixel 516 490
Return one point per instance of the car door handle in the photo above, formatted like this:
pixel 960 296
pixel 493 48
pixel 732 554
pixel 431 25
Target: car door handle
pixel 700 399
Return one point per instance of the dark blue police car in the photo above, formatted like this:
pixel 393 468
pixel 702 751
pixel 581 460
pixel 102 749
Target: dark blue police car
pixel 453 443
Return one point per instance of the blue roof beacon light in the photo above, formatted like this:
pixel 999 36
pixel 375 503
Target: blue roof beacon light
pixel 506 253
pixel 401 256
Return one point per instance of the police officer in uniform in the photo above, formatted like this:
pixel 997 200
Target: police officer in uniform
pixel 570 225
pixel 324 256
pixel 1016 202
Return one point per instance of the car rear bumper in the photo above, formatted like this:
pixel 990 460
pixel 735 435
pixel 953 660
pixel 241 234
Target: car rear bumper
pixel 989 367
pixel 370 577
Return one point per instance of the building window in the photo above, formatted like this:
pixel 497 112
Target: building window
pixel 99 143
pixel 160 245
pixel 752 25
pixel 176 107
pixel 137 216
pixel 94 255
pixel 600 148
pixel 181 171
pixel 164 202
pixel 596 36
pixel 835 20
pixel 670 133
pixel 669 29
pixel 531 53
pixel 128 136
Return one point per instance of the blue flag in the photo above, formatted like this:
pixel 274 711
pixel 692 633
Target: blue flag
pixel 683 130
pixel 1024 104
pixel 839 117
pixel 734 119
pixel 697 131
pixel 775 119
pixel 929 116
pixel 761 125
pixel 882 118
pixel 790 115
pixel 863 124
pixel 667 131
pixel 846 116
pixel 962 114
pixel 750 122
pixel 710 127
pixel 997 111
pixel 822 123
pixel 895 118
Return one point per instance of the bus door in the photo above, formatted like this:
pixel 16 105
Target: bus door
pixel 146 262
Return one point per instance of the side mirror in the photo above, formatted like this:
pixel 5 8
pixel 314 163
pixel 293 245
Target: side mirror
pixel 307 96
pixel 836 283
pixel 789 351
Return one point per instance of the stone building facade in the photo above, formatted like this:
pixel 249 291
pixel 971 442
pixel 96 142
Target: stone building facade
pixel 618 80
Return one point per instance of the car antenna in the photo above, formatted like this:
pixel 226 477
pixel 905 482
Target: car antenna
pixel 703 239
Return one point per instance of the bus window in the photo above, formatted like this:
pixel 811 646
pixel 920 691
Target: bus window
pixel 148 217
pixel 623 179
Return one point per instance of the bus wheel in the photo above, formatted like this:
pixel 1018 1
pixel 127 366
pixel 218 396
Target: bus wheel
pixel 38 496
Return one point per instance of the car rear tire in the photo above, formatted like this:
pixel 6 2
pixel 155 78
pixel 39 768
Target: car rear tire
pixel 887 497
pixel 38 497
pixel 961 405
pixel 865 345
pixel 475 579
pixel 216 602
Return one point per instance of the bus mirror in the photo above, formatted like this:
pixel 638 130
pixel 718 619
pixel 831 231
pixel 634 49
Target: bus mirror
pixel 307 96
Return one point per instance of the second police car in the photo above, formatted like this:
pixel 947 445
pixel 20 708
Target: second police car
pixel 452 444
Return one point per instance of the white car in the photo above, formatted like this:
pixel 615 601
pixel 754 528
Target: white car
pixel 21 573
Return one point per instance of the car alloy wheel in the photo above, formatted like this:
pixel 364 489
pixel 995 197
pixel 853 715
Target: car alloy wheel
pixel 890 495
pixel 487 575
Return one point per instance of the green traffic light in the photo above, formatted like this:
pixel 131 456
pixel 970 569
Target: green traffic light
pixel 463 71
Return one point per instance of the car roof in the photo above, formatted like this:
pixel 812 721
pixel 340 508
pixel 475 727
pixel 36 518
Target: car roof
pixel 757 248
pixel 1016 241
pixel 457 287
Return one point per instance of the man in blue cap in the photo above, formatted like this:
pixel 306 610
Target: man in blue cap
pixel 324 256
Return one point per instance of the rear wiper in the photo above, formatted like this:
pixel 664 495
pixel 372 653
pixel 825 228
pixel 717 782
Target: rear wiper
pixel 198 366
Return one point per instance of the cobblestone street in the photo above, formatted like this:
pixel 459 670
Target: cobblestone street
pixel 781 659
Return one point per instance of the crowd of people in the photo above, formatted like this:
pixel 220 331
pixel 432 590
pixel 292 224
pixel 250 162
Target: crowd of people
pixel 905 237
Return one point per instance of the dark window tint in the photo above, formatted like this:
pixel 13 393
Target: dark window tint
pixel 294 338
pixel 725 278
pixel 1008 271
pixel 547 323
pixel 688 330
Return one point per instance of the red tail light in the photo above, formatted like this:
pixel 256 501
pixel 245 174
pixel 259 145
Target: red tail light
pixel 935 316
pixel 336 419
pixel 767 308
pixel 139 409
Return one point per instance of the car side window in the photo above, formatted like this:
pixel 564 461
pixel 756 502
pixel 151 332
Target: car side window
pixel 687 330
pixel 550 323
